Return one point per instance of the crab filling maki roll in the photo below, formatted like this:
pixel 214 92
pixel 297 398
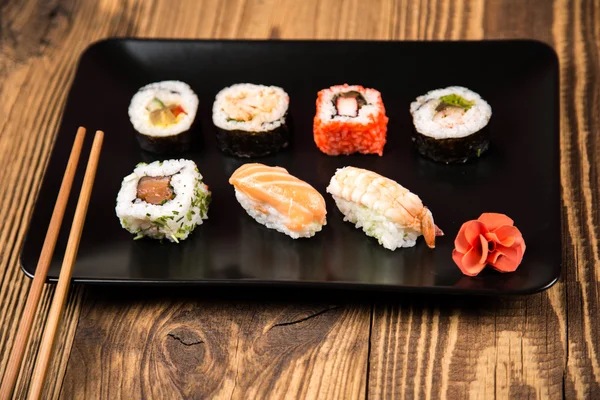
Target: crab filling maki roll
pixel 350 119
pixel 251 119
pixel 451 124
pixel 162 114
pixel 163 200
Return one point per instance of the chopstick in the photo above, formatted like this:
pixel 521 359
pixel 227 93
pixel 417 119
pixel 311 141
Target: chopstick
pixel 41 271
pixel 66 271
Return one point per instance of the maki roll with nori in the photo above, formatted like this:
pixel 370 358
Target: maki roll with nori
pixel 350 119
pixel 163 200
pixel 451 124
pixel 162 114
pixel 251 119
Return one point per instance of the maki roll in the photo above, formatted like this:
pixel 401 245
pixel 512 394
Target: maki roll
pixel 162 114
pixel 250 119
pixel 451 124
pixel 350 119
pixel 279 200
pixel 164 199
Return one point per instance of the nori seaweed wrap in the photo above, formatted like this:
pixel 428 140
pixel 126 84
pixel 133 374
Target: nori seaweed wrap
pixel 451 125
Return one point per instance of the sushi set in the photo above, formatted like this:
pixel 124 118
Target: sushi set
pixel 259 163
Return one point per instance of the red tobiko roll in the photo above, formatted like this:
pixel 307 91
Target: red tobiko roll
pixel 350 119
pixel 492 239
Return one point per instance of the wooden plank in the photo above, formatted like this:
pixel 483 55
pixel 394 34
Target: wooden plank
pixel 577 41
pixel 539 346
pixel 466 348
pixel 178 346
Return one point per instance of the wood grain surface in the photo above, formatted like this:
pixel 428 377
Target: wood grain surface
pixel 149 343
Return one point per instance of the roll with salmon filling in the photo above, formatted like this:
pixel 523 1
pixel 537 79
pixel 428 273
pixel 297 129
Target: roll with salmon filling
pixel 163 200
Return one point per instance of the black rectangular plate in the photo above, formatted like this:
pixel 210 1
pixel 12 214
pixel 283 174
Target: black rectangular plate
pixel 518 176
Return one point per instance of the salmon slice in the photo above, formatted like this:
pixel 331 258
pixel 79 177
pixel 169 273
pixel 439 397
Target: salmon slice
pixel 155 189
pixel 274 186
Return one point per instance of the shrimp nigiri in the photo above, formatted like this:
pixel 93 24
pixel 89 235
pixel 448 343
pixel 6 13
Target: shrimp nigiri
pixel 279 200
pixel 383 208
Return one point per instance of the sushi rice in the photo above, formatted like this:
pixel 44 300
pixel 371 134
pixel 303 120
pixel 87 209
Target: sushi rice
pixel 327 110
pixel 389 234
pixel 273 219
pixel 176 218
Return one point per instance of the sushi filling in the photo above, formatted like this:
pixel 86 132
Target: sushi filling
pixel 451 109
pixel 155 190
pixel 164 115
pixel 248 105
pixel 349 103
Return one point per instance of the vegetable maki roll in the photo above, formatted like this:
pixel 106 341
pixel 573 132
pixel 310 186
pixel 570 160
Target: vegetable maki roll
pixel 162 114
pixel 250 119
pixel 451 124
pixel 164 199
pixel 350 119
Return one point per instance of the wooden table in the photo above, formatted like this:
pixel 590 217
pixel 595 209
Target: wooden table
pixel 153 343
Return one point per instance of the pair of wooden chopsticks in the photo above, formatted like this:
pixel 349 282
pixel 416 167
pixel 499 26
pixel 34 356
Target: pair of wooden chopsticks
pixel 41 272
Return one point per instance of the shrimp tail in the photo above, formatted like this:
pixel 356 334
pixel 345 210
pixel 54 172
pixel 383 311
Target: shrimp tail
pixel 428 228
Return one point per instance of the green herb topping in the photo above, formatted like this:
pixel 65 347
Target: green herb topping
pixel 454 100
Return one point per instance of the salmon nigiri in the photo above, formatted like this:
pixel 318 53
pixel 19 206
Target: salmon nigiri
pixel 279 200
pixel 383 208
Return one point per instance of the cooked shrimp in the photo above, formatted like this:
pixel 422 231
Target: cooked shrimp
pixel 386 197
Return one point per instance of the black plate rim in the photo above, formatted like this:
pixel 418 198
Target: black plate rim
pixel 338 285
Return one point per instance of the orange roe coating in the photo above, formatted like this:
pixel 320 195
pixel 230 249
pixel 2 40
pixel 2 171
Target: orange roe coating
pixel 346 137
